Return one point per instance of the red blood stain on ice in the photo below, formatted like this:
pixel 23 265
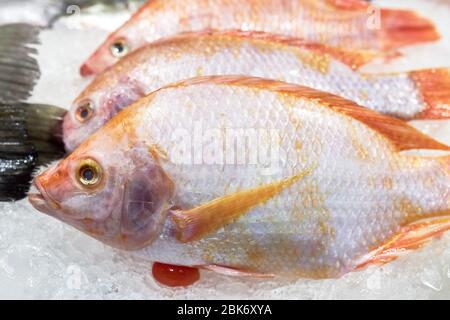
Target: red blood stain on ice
pixel 175 276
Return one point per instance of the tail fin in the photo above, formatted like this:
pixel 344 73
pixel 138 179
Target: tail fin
pixel 19 70
pixel 17 161
pixel 401 28
pixel 434 88
pixel 30 136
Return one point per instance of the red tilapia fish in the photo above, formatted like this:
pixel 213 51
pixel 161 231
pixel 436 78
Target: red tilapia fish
pixel 344 23
pixel 421 94
pixel 247 176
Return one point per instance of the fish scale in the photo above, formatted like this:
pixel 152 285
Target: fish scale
pixel 246 53
pixel 372 207
pixel 348 23
pixel 337 190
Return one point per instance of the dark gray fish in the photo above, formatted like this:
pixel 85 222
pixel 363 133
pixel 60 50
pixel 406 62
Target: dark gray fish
pixel 19 70
pixel 30 134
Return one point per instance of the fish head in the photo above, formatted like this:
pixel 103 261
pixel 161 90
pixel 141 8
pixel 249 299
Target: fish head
pixel 95 106
pixel 114 48
pixel 143 27
pixel 105 56
pixel 117 194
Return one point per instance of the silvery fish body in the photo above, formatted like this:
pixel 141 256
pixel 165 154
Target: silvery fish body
pixel 351 24
pixel 255 176
pixel 261 55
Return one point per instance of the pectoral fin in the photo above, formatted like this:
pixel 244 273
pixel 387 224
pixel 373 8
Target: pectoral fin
pixel 195 223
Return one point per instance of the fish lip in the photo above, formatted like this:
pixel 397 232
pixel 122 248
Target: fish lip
pixel 36 198
pixel 85 70
pixel 44 203
pixel 39 203
pixel 42 200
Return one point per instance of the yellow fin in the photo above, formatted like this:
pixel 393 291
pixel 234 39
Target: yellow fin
pixel 195 223
pixel 411 237
pixel 400 134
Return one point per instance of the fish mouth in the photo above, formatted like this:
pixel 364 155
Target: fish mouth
pixel 85 70
pixel 42 200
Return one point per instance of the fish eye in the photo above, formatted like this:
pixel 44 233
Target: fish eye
pixel 84 112
pixel 119 48
pixel 89 173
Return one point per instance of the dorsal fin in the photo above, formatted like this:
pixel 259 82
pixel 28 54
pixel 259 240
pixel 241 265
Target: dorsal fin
pixel 352 58
pixel 349 4
pixel 400 134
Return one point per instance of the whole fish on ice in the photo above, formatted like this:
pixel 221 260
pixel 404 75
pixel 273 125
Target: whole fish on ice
pixel 251 176
pixel 351 24
pixel 423 94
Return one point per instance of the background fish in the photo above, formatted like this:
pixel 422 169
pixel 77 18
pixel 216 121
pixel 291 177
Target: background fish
pixel 30 136
pixel 44 13
pixel 421 94
pixel 23 146
pixel 337 196
pixel 38 264
pixel 19 70
pixel 313 20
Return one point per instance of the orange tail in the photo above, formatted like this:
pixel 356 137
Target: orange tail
pixel 434 88
pixel 401 28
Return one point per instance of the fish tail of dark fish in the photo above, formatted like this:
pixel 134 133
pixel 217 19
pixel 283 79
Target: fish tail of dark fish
pixel 30 136
pixel 19 70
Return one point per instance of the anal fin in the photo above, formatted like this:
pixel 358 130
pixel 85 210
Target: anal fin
pixel 411 237
pixel 235 272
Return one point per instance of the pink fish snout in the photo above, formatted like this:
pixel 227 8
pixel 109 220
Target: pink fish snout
pixel 85 70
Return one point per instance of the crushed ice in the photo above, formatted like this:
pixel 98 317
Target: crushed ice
pixel 42 258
